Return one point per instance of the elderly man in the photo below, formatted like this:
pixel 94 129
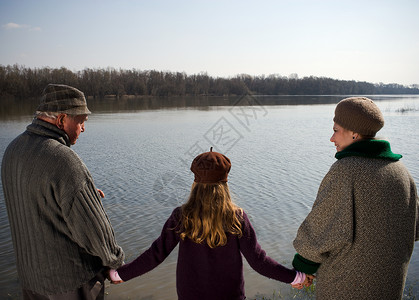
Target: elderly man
pixel 62 237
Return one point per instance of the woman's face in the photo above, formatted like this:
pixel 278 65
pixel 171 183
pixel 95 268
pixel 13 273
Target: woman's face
pixel 342 137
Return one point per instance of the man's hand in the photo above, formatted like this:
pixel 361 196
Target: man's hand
pixel 101 193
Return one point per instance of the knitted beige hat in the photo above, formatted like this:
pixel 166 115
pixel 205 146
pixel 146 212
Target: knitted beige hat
pixel 360 115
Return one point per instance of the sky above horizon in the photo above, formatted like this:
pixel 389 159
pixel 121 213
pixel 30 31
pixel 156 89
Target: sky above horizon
pixel 373 41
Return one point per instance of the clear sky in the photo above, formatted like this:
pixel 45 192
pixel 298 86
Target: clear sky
pixel 362 40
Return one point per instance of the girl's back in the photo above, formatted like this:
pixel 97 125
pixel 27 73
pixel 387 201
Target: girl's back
pixel 212 233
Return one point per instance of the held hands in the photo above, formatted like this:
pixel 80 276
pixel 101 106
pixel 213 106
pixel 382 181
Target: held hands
pixel 113 277
pixel 117 282
pixel 307 282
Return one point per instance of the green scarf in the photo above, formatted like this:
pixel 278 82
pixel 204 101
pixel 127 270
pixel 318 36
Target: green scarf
pixel 369 148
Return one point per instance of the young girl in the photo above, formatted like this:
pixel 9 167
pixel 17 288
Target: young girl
pixel 212 233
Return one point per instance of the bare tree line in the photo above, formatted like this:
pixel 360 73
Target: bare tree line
pixel 20 82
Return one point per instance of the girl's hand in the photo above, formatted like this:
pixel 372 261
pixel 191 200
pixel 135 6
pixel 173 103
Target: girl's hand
pixel 297 286
pixel 114 277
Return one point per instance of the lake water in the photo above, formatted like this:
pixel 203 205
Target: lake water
pixel 139 152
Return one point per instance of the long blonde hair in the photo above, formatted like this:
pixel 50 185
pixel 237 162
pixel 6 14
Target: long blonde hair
pixel 209 214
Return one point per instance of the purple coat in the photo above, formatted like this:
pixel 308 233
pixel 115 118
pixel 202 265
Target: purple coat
pixel 205 273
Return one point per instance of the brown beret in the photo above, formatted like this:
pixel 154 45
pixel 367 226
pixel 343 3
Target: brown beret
pixel 211 167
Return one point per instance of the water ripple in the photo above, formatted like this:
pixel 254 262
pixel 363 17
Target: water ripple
pixel 141 161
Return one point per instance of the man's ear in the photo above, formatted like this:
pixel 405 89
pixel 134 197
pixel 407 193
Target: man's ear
pixel 59 121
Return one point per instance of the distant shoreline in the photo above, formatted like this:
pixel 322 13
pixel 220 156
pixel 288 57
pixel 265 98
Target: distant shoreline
pixel 21 82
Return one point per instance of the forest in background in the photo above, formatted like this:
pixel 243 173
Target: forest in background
pixel 20 82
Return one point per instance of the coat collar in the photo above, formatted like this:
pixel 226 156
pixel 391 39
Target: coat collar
pixel 48 130
pixel 369 148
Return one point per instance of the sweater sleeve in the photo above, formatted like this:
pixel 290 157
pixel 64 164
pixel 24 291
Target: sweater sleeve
pixel 157 253
pixel 328 228
pixel 90 227
pixel 257 258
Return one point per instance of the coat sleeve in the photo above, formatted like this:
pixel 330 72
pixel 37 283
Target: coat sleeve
pixel 84 219
pixel 157 253
pixel 328 228
pixel 417 219
pixel 90 227
pixel 415 199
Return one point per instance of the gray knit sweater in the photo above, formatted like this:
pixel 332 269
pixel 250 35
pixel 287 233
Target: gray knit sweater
pixel 361 229
pixel 61 234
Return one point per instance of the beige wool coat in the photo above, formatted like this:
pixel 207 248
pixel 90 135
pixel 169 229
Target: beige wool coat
pixel 361 229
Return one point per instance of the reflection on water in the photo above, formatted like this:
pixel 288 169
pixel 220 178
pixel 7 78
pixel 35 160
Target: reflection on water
pixel 139 154
pixel 10 108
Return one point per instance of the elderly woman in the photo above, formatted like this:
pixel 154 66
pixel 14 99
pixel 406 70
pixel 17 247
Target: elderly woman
pixel 359 236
